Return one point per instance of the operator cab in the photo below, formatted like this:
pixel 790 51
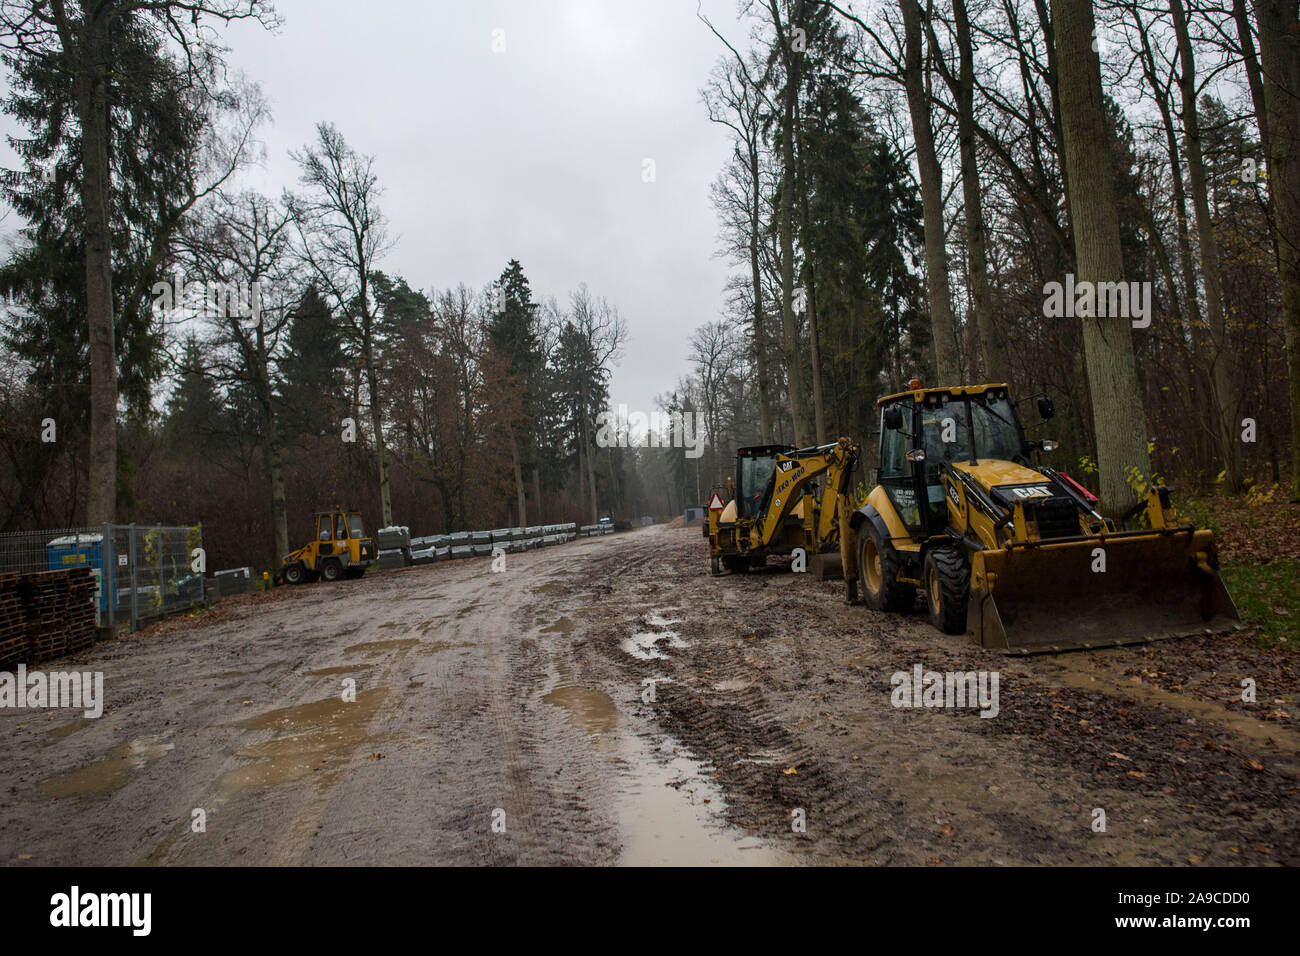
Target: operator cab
pixel 937 428
pixel 755 466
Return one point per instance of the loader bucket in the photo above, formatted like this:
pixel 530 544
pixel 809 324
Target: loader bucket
pixel 1040 596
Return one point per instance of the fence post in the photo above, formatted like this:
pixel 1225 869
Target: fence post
pixel 162 592
pixel 135 610
pixel 108 580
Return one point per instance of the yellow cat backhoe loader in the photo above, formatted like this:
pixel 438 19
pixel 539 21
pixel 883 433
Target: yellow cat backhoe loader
pixel 1013 552
pixel 340 549
pixel 783 498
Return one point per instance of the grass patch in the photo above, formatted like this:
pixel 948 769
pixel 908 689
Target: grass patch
pixel 1268 597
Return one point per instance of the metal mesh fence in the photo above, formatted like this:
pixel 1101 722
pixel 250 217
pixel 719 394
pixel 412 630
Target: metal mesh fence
pixel 140 571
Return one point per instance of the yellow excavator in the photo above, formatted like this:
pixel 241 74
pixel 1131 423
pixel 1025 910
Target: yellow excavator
pixel 1008 550
pixel 784 498
pixel 1013 552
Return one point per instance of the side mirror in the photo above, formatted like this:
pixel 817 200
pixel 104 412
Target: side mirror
pixel 893 418
pixel 1048 444
pixel 916 454
pixel 1045 407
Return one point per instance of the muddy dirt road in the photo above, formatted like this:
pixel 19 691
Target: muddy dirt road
pixel 607 701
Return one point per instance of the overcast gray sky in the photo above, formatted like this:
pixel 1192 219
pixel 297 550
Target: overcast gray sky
pixel 533 153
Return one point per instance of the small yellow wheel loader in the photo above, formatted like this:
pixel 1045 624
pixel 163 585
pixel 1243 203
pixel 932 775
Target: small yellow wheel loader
pixel 1015 553
pixel 340 549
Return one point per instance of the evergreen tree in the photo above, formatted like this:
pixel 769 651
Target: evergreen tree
pixel 311 384
pixel 195 411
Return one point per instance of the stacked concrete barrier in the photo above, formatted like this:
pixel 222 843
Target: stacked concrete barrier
pixel 398 549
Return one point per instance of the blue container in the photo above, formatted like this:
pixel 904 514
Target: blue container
pixel 76 551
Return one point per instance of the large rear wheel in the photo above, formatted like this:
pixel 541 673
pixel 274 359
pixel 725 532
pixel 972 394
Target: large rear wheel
pixel 331 570
pixel 878 566
pixel 947 586
pixel 295 573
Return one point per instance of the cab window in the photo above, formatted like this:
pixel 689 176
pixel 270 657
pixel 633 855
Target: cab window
pixel 323 533
pixel 893 447
pixel 354 526
pixel 755 473
pixel 340 527
pixel 946 431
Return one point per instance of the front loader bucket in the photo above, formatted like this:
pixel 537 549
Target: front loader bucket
pixel 1039 596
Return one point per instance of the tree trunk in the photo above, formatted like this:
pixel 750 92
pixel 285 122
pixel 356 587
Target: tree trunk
pixel 279 510
pixel 1222 383
pixel 582 471
pixel 92 105
pixel 815 359
pixel 760 340
pixel 1279 54
pixel 1250 62
pixel 943 327
pixel 274 456
pixel 992 350
pixel 519 479
pixel 591 465
pixel 537 494
pixel 377 423
pixel 1118 418
pixel 810 279
pixel 790 334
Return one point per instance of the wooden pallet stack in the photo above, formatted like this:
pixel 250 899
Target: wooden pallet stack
pixel 13 626
pixel 57 611
pixel 81 611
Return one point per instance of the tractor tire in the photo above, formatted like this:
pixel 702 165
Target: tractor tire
pixel 331 570
pixel 947 587
pixel 878 566
pixel 295 573
pixel 736 563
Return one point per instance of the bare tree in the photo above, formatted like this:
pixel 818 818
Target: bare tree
pixel 1118 416
pixel 936 259
pixel 735 100
pixel 239 247
pixel 1221 375
pixel 343 236
pixel 603 334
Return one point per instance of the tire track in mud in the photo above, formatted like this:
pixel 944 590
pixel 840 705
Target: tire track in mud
pixel 779 670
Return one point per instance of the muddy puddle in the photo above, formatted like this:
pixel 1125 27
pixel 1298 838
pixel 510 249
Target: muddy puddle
pixel 105 776
pixel 313 738
pixel 671 814
pixel 63 730
pixel 338 669
pixel 590 709
pixel 649 645
pixel 434 647
pixel 393 645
